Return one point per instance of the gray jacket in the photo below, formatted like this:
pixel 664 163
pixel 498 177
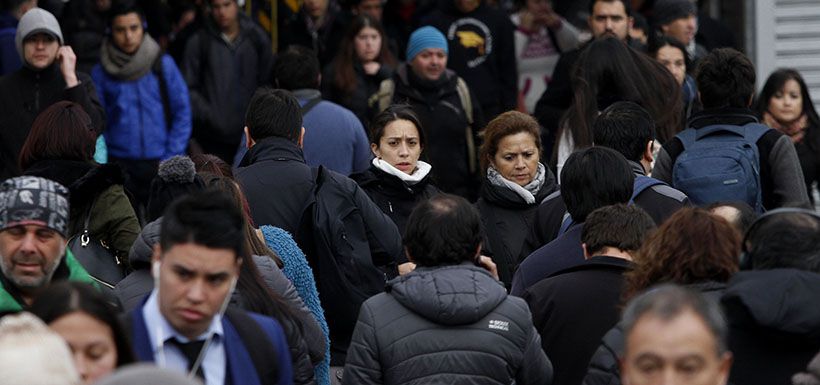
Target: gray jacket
pixel 451 324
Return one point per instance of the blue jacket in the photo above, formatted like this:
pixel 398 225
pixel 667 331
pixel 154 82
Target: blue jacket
pixel 562 253
pixel 9 58
pixel 241 368
pixel 136 119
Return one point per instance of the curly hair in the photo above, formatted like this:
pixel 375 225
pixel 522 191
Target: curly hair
pixel 504 125
pixel 692 246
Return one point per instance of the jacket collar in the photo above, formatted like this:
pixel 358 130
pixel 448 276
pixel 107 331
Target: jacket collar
pixel 306 94
pixel 273 148
pixel 730 116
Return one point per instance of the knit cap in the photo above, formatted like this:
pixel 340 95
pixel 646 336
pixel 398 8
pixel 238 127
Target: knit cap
pixel 34 21
pixel 32 200
pixel 424 38
pixel 176 177
pixel 667 11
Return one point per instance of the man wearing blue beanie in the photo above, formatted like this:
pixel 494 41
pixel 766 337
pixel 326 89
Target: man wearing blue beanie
pixel 449 112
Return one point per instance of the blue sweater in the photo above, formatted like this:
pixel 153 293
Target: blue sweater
pixel 299 272
pixel 137 127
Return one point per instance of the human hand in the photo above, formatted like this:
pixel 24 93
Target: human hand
pixel 68 65
pixel 488 264
pixel 406 267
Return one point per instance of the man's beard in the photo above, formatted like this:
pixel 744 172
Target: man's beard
pixel 25 283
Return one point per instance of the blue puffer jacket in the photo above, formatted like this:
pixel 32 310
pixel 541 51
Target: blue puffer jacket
pixel 135 116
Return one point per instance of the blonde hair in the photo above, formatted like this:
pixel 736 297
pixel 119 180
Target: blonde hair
pixel 32 354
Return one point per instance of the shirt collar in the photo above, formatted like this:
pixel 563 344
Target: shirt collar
pixel 159 330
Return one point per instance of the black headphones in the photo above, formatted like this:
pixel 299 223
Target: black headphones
pixel 745 258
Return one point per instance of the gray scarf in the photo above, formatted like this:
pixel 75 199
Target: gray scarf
pixel 527 192
pixel 129 67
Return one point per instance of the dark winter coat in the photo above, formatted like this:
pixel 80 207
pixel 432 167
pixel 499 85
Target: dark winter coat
pixel 659 201
pixel 98 187
pixel 25 94
pixel 562 253
pixel 325 43
pixel 444 122
pixel 573 309
pixel 774 324
pixel 507 220
pixel 446 325
pixel 604 367
pixel 357 100
pixel 808 152
pixel 481 49
pixel 393 196
pixel 222 77
pixel 305 336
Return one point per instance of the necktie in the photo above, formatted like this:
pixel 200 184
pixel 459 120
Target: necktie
pixel 191 352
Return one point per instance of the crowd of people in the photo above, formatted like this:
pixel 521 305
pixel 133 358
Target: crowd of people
pixel 401 192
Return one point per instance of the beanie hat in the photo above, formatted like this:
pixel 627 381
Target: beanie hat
pixel 175 178
pixel 32 200
pixel 667 11
pixel 33 354
pixel 34 21
pixel 146 374
pixel 424 38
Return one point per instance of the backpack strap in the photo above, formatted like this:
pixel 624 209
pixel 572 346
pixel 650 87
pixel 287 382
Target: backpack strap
pixel 566 223
pixel 259 347
pixel 643 182
pixel 754 131
pixel 467 104
pixel 310 104
pixel 156 68
pixel 384 96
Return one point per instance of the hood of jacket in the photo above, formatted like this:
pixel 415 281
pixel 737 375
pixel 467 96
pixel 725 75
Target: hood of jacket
pixel 779 304
pixel 449 295
pixel 141 251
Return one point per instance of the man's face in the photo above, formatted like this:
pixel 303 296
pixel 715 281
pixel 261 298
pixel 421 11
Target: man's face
pixel 683 29
pixel 372 8
pixel 225 13
pixel 29 255
pixel 610 18
pixel 193 283
pixel 467 6
pixel 680 351
pixel 126 31
pixel 40 50
pixel 429 64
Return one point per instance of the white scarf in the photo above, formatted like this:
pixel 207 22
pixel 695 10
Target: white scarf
pixel 422 169
pixel 527 192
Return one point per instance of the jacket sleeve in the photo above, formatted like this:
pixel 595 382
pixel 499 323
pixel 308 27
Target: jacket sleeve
pixel 192 72
pixel 303 373
pixel 604 366
pixel 508 66
pixel 536 368
pixel 362 366
pixel 567 36
pixel 382 233
pixel 312 333
pixel 85 94
pixel 788 185
pixel 120 221
pixel 180 103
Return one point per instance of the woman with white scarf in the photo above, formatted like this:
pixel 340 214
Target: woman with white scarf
pixel 515 182
pixel 397 179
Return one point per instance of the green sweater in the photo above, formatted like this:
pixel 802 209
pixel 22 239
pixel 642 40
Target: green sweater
pixel 75 273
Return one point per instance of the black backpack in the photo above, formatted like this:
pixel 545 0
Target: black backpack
pixel 333 235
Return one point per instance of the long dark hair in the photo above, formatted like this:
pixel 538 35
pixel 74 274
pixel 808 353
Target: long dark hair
pixel 608 71
pixel 775 83
pixel 67 297
pixel 62 131
pixel 344 67
pixel 658 41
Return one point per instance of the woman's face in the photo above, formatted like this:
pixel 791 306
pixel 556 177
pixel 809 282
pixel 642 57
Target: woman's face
pixel 367 44
pixel 399 146
pixel 672 59
pixel 786 105
pixel 517 158
pixel 91 342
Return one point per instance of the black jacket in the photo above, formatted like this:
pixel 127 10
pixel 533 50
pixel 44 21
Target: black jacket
pixel 604 367
pixel 444 122
pixel 482 51
pixel 25 94
pixel 507 220
pixel 774 324
pixel 446 325
pixel 357 100
pixel 305 336
pixel 573 309
pixel 293 30
pixel 393 196
pixel 659 201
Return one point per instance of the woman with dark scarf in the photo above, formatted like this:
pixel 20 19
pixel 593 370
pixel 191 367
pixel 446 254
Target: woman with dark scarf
pixel 515 182
pixel 397 180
